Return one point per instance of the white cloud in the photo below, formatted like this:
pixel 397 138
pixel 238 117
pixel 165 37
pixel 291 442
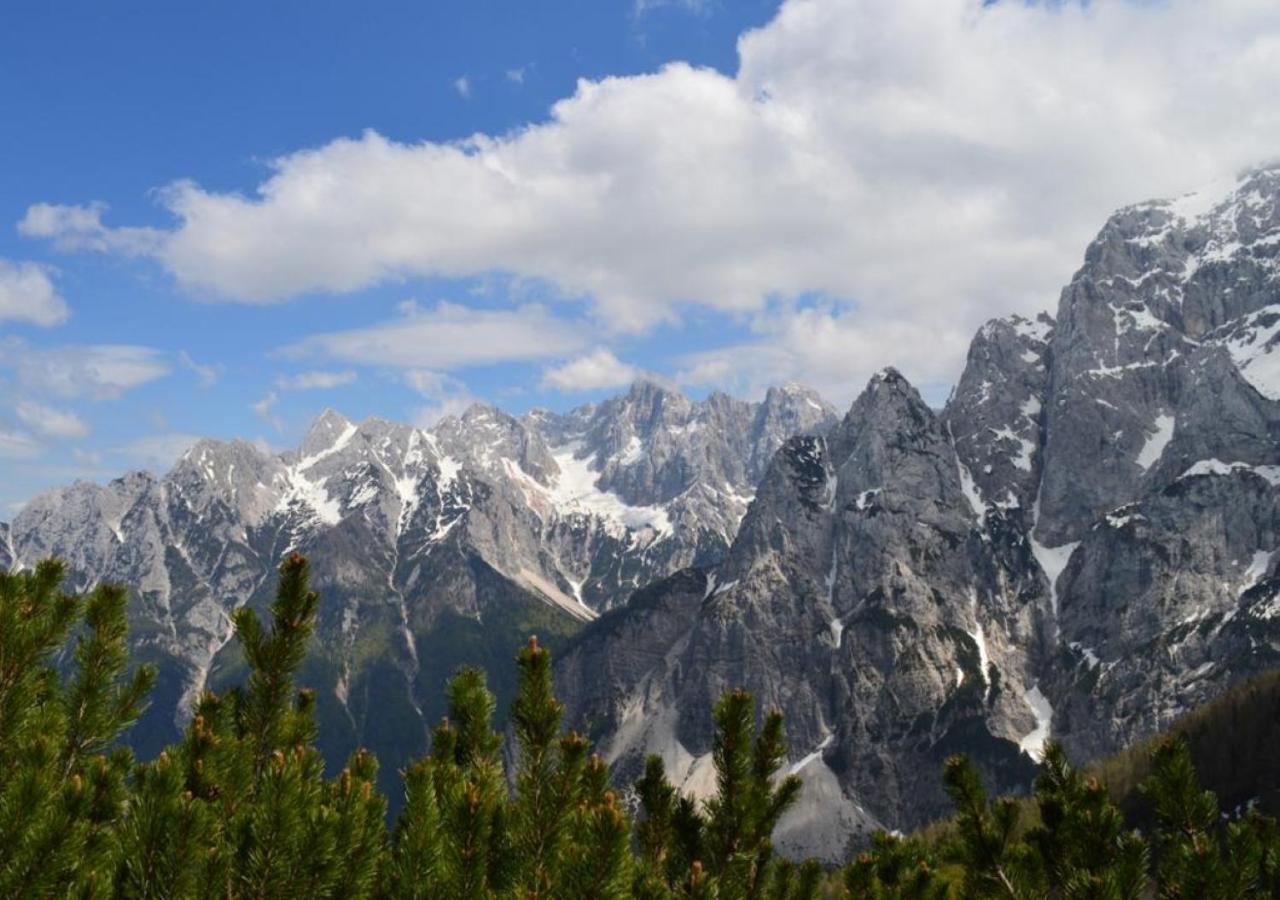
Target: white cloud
pixel 27 294
pixel 81 228
pixel 302 381
pixel 700 7
pixel 448 337
pixel 264 409
pixel 462 84
pixel 205 373
pixel 51 422
pixel 156 451
pixel 600 369
pixel 447 395
pixel 315 380
pixel 933 161
pixel 516 75
pixel 17 445
pixel 830 349
pixel 94 371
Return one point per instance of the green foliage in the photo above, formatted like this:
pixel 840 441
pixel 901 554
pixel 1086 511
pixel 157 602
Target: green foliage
pixel 241 806
pixel 1083 844
pixel 723 849
pixel 895 869
pixel 62 785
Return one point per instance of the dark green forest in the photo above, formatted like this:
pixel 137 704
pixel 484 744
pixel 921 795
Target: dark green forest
pixel 241 806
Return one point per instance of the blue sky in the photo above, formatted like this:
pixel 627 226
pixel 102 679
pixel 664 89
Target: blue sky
pixel 220 221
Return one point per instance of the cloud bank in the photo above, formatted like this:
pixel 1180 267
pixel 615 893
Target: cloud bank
pixel 926 163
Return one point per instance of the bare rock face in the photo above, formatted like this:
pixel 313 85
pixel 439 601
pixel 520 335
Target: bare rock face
pixel 1081 545
pixel 1166 287
pixel 431 548
pixel 861 598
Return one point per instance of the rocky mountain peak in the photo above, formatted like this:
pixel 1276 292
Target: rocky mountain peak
pixel 327 430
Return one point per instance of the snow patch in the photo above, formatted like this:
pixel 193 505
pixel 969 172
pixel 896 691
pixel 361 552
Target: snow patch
pixel 1053 561
pixel 1033 742
pixel 575 491
pixel 1253 350
pixel 573 606
pixel 815 755
pixel 1021 458
pixel 864 499
pixel 980 638
pixel 343 439
pixel 1257 567
pixel 1218 467
pixel 1161 434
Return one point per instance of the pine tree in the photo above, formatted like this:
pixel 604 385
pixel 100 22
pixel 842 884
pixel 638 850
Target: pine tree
pixel 62 782
pixel 1082 844
pixel 986 845
pixel 747 805
pixel 894 869
pixel 245 791
pixel 1193 859
pixel 1186 844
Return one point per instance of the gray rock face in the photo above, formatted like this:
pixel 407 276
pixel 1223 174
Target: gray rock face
pixel 861 598
pixel 1082 545
pixel 1165 287
pixel 994 416
pixel 485 522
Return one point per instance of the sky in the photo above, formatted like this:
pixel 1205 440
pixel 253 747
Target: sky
pixel 218 220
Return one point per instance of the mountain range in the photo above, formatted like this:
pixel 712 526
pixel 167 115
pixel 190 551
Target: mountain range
pixel 1079 545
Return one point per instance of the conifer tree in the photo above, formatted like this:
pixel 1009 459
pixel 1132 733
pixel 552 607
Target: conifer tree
pixel 894 869
pixel 245 790
pixel 747 804
pixel 727 849
pixel 986 845
pixel 1196 856
pixel 62 782
pixel 1081 841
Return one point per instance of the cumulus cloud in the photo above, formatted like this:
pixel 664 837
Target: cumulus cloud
pixel 92 371
pixel 50 422
pixel 449 336
pixel 81 228
pixel 462 84
pixel 830 349
pixel 933 162
pixel 600 369
pixel 27 294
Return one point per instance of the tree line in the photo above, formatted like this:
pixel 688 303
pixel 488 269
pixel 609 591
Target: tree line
pixel 242 806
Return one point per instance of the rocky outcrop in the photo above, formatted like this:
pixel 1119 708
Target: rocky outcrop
pixel 432 548
pixel 859 596
pixel 1081 545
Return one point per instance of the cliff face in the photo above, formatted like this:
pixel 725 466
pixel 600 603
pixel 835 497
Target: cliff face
pixel 1080 545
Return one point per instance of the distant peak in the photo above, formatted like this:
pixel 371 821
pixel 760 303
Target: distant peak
pixel 645 386
pixel 329 417
pixel 1037 330
pixel 326 430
